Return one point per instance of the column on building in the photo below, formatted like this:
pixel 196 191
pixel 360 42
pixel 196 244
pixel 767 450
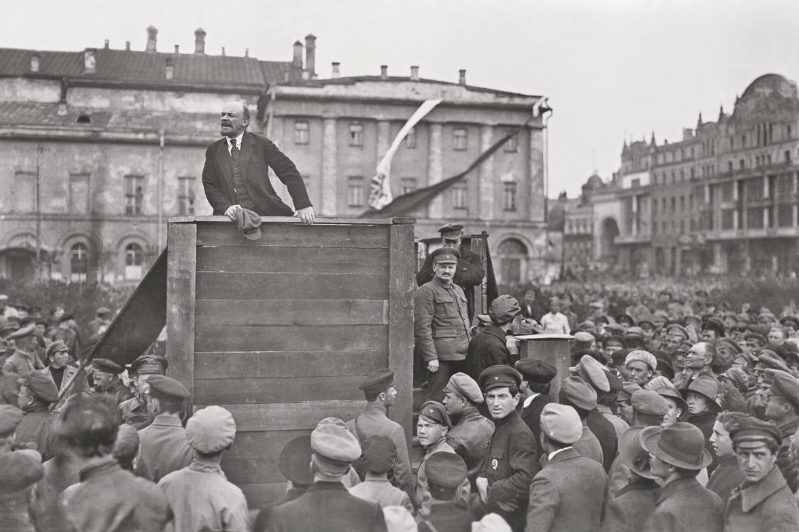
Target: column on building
pixel 794 190
pixel 383 137
pixel 488 182
pixel 719 259
pixel 329 167
pixel 435 209
pixel 765 209
pixel 537 185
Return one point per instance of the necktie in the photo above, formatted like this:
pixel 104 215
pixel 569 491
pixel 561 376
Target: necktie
pixel 234 150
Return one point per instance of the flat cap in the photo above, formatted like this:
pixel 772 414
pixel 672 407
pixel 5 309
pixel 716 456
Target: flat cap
pixel 625 318
pixel 164 387
pixel 639 355
pixel 149 365
pixel 634 332
pixel 103 311
pixel 785 385
pixel 55 347
pixel 499 376
pixel 445 470
pixel 713 324
pixel 790 320
pixel 485 319
pixel 18 471
pixel 649 402
pixel 561 423
pixel 435 412
pixel 127 444
pixel 249 224
pixel 332 440
pixel 295 460
pixel 578 392
pixel 675 329
pixel 451 229
pixel 536 371
pixel 41 386
pixel 503 309
pixel 465 386
pixel 446 256
pixel 108 366
pixel 770 360
pixel 23 332
pixel 587 326
pixel 729 343
pixel 592 372
pixel 10 416
pixel 629 387
pixel 614 329
pixel 378 381
pixel 752 335
pixel 646 324
pixel 752 432
pixel 379 454
pixel 583 337
pixel 211 429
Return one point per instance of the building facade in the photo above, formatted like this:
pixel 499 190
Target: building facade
pixel 101 147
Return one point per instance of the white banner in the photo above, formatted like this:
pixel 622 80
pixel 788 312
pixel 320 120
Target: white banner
pixel 380 187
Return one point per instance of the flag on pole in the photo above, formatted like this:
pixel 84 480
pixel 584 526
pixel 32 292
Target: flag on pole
pixel 380 187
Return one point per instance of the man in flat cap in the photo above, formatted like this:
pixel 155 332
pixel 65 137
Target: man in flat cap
pixel 489 346
pixel 134 410
pixel 578 394
pixel 67 377
pixel 163 447
pixel 379 455
pixel 567 494
pixel 379 391
pixel 107 380
pixel 712 329
pixel 469 272
pixel 593 374
pixel 537 378
pixel 676 456
pixel 782 409
pixel 446 473
pixel 674 335
pixel 441 323
pixel 471 431
pixel 36 393
pixel 200 496
pixel 107 498
pixel 763 501
pixel 511 460
pixel 334 448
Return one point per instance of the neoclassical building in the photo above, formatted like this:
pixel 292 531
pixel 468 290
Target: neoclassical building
pixel 100 147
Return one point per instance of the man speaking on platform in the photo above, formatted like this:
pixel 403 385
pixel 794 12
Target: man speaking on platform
pixel 236 171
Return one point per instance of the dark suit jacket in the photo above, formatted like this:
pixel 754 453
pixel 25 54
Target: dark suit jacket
pixel 257 155
pixel 606 434
pixel 328 507
pixel 532 417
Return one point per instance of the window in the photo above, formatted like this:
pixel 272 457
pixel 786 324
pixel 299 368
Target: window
pixel 408 185
pixel 24 192
pixel 186 195
pixel 785 215
pixel 459 138
pixel 355 191
pixel 742 164
pixel 512 145
pixel 788 156
pixel 302 133
pixel 78 262
pixel 78 200
pixel 356 134
pixel 410 139
pixel 509 196
pixel 459 196
pixel 134 194
pixel 133 262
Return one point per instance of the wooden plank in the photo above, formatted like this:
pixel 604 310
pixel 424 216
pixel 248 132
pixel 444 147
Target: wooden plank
pixel 291 416
pixel 291 312
pixel 216 338
pixel 263 494
pixel 216 285
pixel 320 220
pixel 264 444
pixel 252 470
pixel 297 235
pixel 273 364
pixel 280 390
pixel 181 260
pixel 400 329
pixel 291 259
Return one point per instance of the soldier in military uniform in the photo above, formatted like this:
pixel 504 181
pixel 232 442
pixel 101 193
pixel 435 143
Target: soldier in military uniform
pixel 134 410
pixel 106 380
pixel 471 432
pixel 469 272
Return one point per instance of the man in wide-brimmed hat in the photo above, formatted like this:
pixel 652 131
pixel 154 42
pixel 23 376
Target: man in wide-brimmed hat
pixel 676 455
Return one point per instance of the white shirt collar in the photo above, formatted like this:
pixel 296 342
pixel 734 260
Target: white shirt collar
pixel 238 141
pixel 554 453
pixel 529 399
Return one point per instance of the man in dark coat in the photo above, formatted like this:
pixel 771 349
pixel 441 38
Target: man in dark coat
pixel 236 171
pixel 445 473
pixel 488 347
pixel 592 372
pixel 134 410
pixel 537 376
pixel 37 392
pixel 327 505
pixel 511 460
pixel 471 432
pixel 107 380
pixel 567 494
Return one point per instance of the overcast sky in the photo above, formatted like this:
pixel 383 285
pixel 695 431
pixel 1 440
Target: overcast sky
pixel 612 69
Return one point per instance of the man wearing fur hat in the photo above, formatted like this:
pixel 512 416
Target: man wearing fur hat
pixel 36 393
pixel 200 496
pixel 488 347
pixel 641 366
pixel 471 432
pixel 327 500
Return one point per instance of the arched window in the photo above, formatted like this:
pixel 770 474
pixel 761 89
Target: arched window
pixel 78 262
pixel 513 261
pixel 133 262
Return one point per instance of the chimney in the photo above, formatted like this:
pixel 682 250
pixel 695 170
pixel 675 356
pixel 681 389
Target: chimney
pixel 383 71
pixel 170 68
pixel 415 73
pixel 35 62
pixel 246 52
pixel 336 69
pixel 152 38
pixel 462 77
pixel 89 61
pixel 296 61
pixel 177 48
pixel 107 44
pixel 127 46
pixel 199 41
pixel 310 55
pixel 223 51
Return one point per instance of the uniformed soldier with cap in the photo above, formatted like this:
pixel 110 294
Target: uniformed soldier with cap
pixel 23 360
pixel 471 431
pixel 782 409
pixel 441 323
pixel 67 377
pixel 469 272
pixel 162 445
pixel 511 461
pixel 446 473
pixel 36 393
pixel 134 410
pixel 107 380
pixel 379 391
pixel 537 377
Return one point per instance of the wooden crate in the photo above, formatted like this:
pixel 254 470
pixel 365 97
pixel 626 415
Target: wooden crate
pixel 281 331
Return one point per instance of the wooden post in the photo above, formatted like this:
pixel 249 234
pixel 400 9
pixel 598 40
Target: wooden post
pixel 400 328
pixel 552 348
pixel 180 287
